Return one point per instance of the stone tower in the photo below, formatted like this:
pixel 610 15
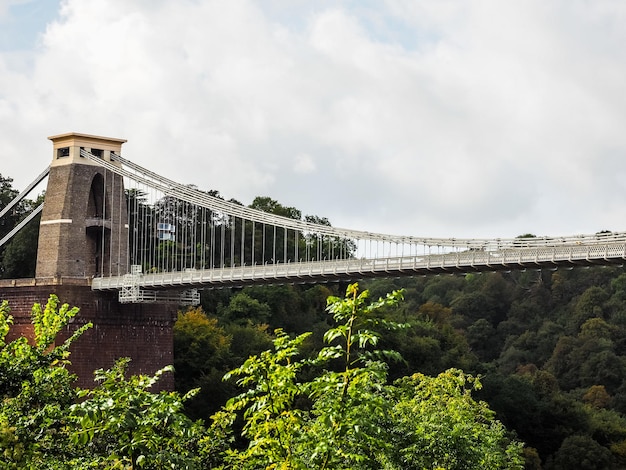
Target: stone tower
pixel 84 233
pixel 84 225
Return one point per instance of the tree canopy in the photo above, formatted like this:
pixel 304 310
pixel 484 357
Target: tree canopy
pixel 331 409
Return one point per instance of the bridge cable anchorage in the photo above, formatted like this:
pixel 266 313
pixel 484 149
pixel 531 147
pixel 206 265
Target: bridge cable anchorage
pixel 181 237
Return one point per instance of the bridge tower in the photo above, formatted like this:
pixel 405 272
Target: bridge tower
pixel 83 234
pixel 83 230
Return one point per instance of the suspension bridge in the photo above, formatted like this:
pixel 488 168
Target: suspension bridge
pixel 155 240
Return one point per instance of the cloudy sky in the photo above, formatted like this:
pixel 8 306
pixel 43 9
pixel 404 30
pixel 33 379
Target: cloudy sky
pixel 417 117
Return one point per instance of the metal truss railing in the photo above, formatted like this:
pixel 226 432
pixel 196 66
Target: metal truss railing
pixel 454 262
pixel 132 291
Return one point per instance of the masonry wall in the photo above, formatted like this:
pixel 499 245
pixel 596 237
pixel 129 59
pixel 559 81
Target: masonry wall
pixel 143 332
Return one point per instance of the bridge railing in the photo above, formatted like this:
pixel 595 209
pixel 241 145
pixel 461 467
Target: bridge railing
pixel 460 261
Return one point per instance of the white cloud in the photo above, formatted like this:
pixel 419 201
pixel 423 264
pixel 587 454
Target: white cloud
pixel 303 164
pixel 481 118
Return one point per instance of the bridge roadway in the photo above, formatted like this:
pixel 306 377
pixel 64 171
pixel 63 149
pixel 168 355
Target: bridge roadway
pixel 609 252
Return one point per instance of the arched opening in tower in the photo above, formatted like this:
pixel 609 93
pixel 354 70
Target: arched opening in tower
pixel 98 229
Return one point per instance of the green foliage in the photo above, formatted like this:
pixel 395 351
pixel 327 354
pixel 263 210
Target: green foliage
pixel 198 338
pixel 453 430
pixel 19 258
pixel 35 388
pixel 243 308
pixel 120 423
pixel 349 405
pixel 268 204
pixel 247 340
pixel 346 415
pixel 580 452
pixel 272 424
pixel 202 354
pixel 6 321
pixel 443 289
pixel 204 351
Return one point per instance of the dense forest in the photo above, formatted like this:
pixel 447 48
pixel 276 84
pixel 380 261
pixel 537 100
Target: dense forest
pixel 549 346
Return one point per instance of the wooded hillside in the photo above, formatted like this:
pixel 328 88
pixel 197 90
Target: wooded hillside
pixel 550 347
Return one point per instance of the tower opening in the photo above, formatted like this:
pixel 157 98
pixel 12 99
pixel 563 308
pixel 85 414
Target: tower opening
pixel 98 229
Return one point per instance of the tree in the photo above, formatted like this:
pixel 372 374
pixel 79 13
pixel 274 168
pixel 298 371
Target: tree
pixel 345 414
pixel 453 430
pixel 597 396
pixel 19 258
pixel 202 356
pixel 339 427
pixel 243 309
pixel 267 204
pixel 36 389
pixel 121 424
pixel 480 335
pixel 581 452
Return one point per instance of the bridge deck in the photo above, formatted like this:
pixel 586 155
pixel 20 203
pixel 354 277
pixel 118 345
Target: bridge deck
pixel 455 262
